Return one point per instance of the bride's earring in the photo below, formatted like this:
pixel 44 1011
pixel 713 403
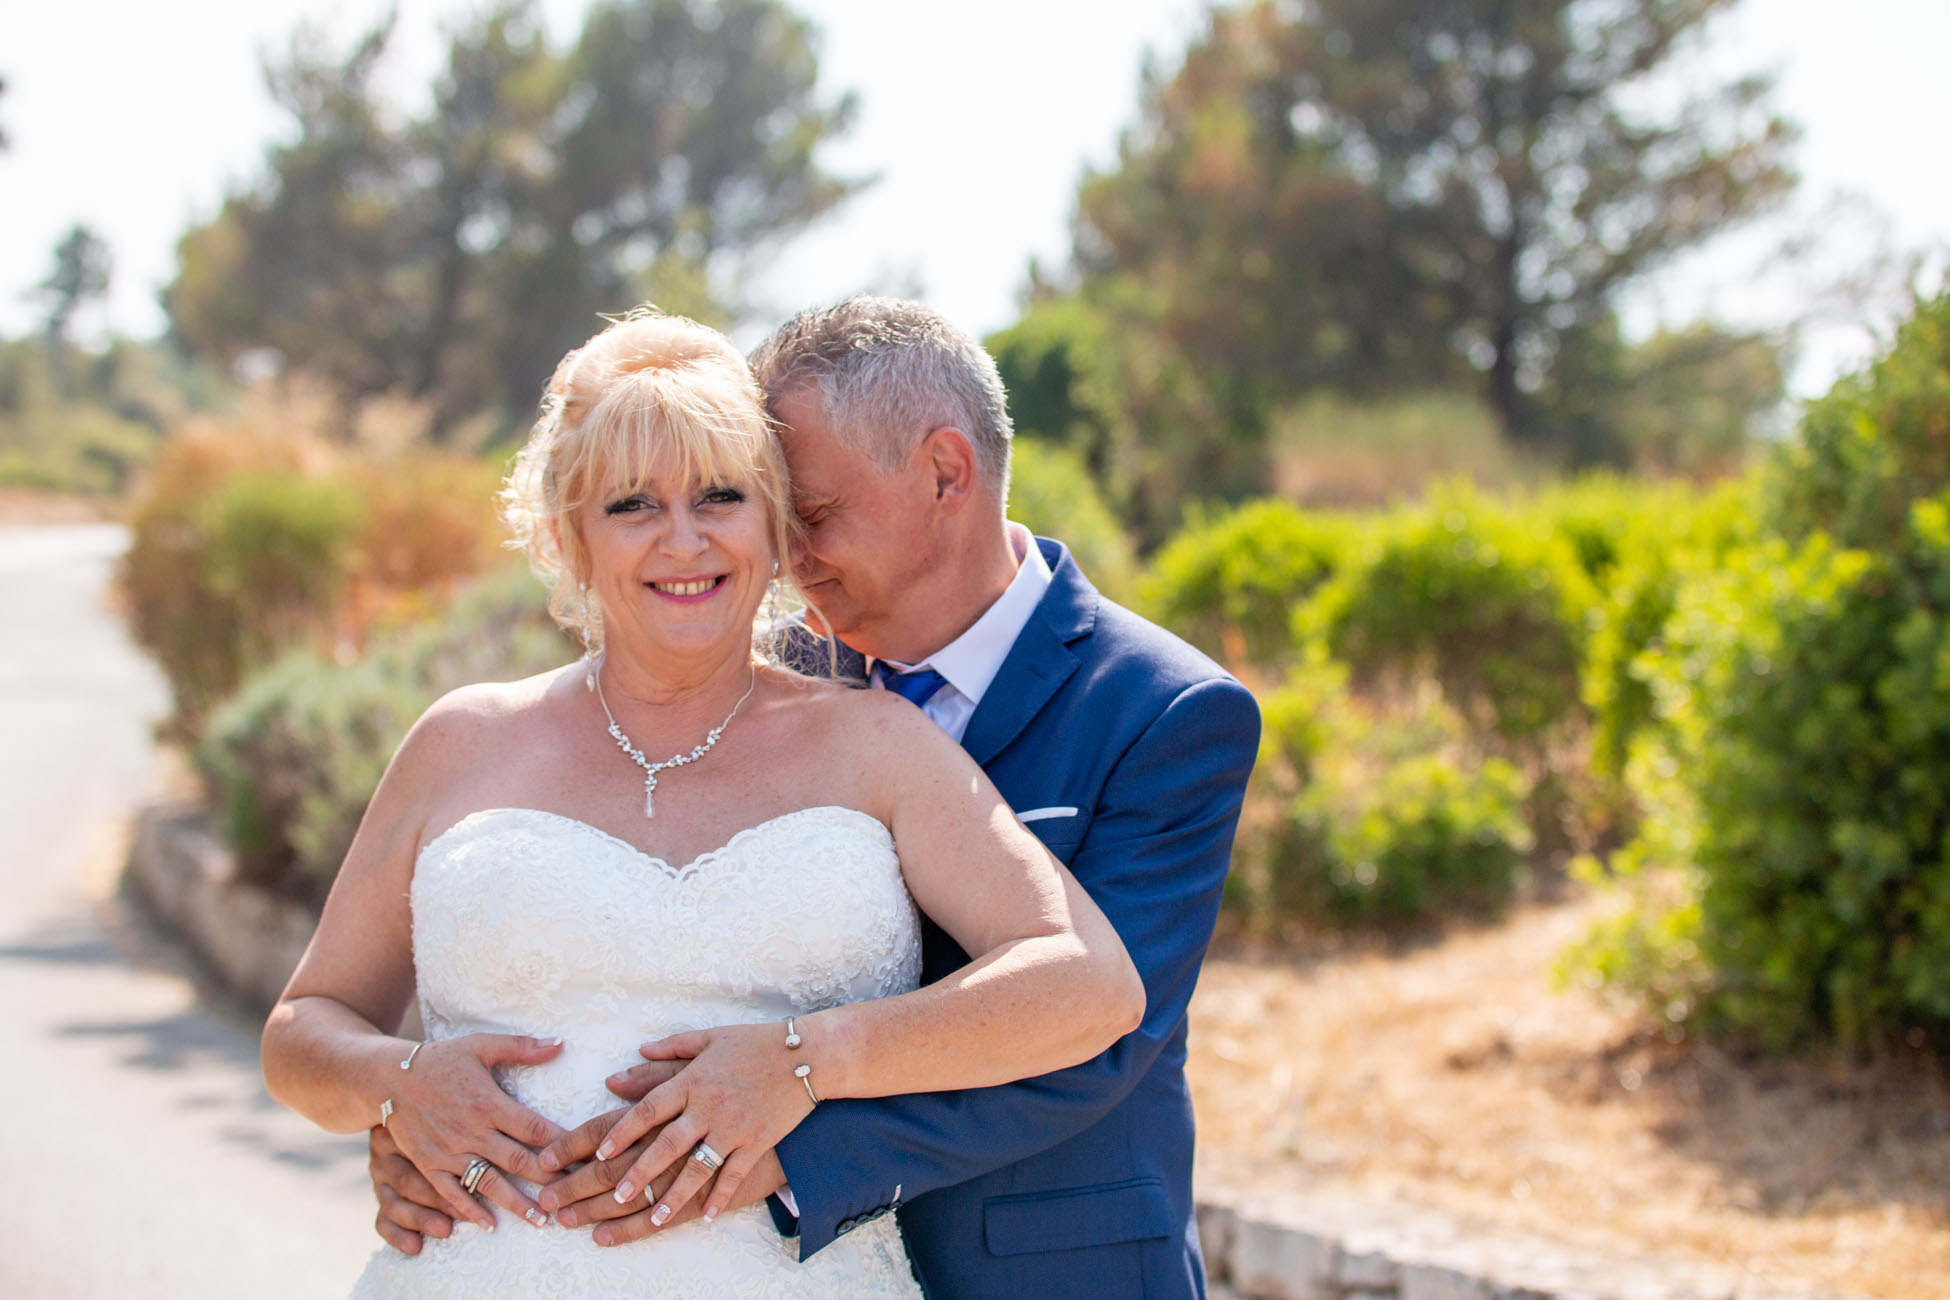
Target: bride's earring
pixel 588 640
pixel 772 601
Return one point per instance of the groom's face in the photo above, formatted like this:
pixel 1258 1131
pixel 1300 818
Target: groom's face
pixel 866 553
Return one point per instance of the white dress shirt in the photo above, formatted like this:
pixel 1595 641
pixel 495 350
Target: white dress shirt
pixel 971 661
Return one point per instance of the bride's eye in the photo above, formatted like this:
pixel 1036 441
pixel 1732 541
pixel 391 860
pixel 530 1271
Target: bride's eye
pixel 720 496
pixel 629 504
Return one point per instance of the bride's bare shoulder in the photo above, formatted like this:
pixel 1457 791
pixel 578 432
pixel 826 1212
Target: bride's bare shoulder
pixel 878 722
pixel 488 712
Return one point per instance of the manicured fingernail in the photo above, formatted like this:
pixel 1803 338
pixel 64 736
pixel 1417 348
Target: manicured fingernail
pixel 548 1042
pixel 660 1215
pixel 537 1218
pixel 710 1213
pixel 605 1151
pixel 623 1193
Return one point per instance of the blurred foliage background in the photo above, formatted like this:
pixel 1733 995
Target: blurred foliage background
pixel 1333 382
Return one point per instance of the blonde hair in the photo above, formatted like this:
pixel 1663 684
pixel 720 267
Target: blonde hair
pixel 651 393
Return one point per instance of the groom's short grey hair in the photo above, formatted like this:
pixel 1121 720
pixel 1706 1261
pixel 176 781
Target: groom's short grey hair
pixel 888 372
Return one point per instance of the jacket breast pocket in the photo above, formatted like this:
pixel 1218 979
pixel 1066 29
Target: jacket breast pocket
pixel 1076 1217
pixel 1059 827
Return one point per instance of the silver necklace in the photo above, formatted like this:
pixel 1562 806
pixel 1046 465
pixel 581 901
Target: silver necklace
pixel 650 769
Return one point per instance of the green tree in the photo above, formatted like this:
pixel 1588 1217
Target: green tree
pixel 81 269
pixel 1363 193
pixel 454 258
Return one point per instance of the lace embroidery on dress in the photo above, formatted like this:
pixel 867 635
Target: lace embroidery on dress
pixel 528 922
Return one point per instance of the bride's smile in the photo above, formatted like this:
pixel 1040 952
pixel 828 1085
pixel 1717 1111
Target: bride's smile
pixel 678 567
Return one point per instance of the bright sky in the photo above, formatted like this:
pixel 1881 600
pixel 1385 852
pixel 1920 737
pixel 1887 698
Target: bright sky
pixel 134 116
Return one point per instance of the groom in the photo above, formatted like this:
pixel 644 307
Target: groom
pixel 1122 748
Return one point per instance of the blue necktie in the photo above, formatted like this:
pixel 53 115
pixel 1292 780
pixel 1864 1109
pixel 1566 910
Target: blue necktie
pixel 918 686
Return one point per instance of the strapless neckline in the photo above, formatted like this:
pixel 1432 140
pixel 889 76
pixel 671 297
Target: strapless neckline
pixel 663 864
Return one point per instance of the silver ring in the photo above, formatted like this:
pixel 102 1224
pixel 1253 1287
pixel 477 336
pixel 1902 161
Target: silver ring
pixel 476 1170
pixel 704 1155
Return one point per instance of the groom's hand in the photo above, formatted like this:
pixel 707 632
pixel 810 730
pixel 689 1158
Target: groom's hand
pixel 766 1176
pixel 410 1209
pixel 587 1195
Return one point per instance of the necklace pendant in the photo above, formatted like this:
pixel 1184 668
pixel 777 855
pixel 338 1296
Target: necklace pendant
pixel 650 798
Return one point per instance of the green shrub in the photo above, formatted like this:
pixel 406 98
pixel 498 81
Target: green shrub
pixel 1428 836
pixel 1488 601
pixel 196 631
pixel 1798 780
pixel 279 545
pixel 1230 584
pixel 1688 535
pixel 247 544
pixel 294 757
pixel 1051 494
pixel 1807 703
pixel 1298 723
pixel 1356 820
pixel 1878 441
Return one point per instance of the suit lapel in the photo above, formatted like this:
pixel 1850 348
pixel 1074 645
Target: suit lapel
pixel 1039 662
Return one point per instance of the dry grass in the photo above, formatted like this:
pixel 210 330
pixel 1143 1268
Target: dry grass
pixel 1451 1076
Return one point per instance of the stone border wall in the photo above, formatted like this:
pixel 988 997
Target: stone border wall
pixel 1288 1249
pixel 250 940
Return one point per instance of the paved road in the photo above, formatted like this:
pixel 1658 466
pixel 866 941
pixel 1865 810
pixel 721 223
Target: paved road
pixel 145 1158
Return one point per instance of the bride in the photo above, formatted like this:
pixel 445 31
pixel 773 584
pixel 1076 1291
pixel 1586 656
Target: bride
pixel 672 839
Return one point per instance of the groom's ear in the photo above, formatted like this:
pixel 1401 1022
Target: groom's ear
pixel 950 458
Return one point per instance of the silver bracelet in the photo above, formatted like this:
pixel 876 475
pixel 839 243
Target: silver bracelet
pixel 803 1073
pixel 386 1106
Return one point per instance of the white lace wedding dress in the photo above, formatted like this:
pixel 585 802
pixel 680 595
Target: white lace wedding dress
pixel 531 923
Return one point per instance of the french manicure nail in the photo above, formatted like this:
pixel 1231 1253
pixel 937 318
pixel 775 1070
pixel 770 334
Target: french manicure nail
pixel 623 1193
pixel 537 1218
pixel 710 1213
pixel 605 1151
pixel 660 1215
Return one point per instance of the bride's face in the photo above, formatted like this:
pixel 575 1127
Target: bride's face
pixel 679 567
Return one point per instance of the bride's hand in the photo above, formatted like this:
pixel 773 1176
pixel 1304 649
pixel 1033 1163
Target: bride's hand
pixel 448 1109
pixel 738 1095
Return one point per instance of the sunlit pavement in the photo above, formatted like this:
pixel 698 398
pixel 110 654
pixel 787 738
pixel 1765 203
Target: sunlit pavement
pixel 143 1156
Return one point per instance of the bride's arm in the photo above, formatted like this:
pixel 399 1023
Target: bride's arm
pixel 1049 984
pixel 325 1053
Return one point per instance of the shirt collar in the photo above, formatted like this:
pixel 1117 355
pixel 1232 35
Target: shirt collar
pixel 971 661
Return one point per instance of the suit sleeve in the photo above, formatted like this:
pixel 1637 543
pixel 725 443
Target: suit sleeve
pixel 1154 858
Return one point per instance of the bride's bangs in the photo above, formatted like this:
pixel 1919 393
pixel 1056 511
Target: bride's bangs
pixel 648 429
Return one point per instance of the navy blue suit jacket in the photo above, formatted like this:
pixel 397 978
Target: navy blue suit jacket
pixel 1077 1183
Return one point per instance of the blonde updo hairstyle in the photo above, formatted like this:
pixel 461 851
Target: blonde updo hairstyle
pixel 652 394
